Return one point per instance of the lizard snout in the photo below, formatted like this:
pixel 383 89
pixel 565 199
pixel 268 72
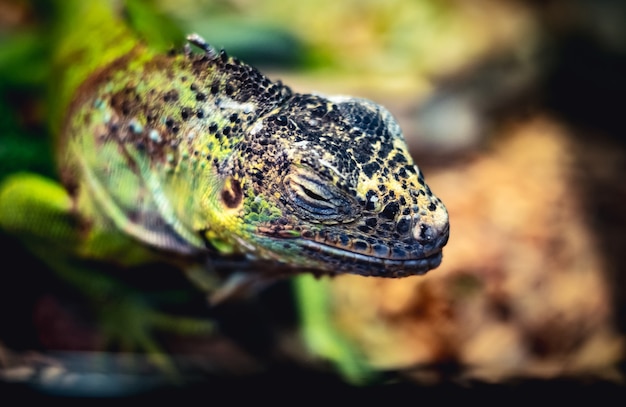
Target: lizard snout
pixel 432 232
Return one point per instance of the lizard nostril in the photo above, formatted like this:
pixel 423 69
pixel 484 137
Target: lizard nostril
pixel 424 233
pixel 431 234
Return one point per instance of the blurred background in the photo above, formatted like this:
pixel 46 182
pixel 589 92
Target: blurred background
pixel 513 109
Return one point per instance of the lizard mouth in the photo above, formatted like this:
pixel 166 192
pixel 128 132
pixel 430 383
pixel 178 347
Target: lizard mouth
pixel 347 261
pixel 324 254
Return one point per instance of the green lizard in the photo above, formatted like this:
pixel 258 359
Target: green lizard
pixel 198 158
pixel 195 154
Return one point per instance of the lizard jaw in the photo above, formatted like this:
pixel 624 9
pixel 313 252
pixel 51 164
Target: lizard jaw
pixel 319 254
pixel 345 261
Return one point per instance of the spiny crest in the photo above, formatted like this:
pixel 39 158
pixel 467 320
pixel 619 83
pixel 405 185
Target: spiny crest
pixel 199 42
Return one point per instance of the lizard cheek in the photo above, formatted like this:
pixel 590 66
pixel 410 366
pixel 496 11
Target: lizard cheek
pixel 232 195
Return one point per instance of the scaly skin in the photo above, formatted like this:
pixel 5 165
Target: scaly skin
pixel 199 153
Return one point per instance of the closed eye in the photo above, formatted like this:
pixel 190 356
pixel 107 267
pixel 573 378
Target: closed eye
pixel 317 199
pixel 313 195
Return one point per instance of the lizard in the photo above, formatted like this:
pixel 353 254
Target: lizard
pixel 196 157
pixel 202 153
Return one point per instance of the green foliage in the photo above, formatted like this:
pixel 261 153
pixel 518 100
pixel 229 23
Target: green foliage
pixel 24 69
pixel 153 26
pixel 321 336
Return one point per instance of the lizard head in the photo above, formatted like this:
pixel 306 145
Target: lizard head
pixel 330 186
pixel 323 184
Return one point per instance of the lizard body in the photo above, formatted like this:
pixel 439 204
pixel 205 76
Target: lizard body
pixel 200 153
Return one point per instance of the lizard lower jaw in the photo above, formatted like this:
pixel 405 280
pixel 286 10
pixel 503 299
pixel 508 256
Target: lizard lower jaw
pixel 345 261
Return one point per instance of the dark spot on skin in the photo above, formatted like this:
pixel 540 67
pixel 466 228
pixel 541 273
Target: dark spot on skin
pixel 215 88
pixel 185 113
pixel 200 97
pixel 370 169
pixel 229 90
pixel 344 239
pixel 125 108
pixel 397 159
pixel 258 176
pixel 371 222
pixel 319 111
pixel 388 226
pixel 370 205
pixel 281 120
pixel 432 207
pixel 381 250
pixel 200 114
pixel 360 245
pixel 170 96
pixel 398 252
pixel 213 128
pixel 232 195
pixel 390 211
pixel 403 226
